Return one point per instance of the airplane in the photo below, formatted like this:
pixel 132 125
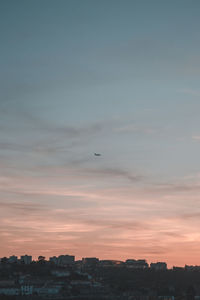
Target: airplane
pixel 97 154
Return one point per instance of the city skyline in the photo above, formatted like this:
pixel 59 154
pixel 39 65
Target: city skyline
pixel 66 260
pixel 116 78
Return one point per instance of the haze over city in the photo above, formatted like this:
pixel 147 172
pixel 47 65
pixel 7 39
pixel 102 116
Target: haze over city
pixel 116 78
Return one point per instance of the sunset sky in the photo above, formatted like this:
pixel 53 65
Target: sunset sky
pixel 116 77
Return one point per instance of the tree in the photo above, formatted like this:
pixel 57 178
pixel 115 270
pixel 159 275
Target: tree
pixel 41 259
pixel 4 260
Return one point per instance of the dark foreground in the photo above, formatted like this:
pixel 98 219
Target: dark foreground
pixel 45 281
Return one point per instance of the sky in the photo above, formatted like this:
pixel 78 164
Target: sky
pixel 120 78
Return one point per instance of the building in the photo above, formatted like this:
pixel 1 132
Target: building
pixel 111 263
pixel 66 260
pixel 62 260
pixel 12 259
pixel 47 290
pixel 26 259
pixel 90 261
pixel 192 268
pixel 178 268
pixel 53 260
pixel 137 264
pixel 158 266
pixel 26 290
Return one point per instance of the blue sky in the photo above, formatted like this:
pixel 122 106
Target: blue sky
pixel 116 77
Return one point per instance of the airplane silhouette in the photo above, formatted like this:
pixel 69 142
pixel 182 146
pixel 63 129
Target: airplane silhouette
pixel 97 154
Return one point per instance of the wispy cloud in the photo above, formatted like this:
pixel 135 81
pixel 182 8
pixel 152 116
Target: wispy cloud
pixel 112 173
pixel 23 207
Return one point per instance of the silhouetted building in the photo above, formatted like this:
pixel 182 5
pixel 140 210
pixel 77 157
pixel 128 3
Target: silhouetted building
pixel 62 260
pixel 137 264
pixel 13 259
pixel 111 263
pixel 90 261
pixel 178 268
pixel 54 260
pixel 192 268
pixel 158 266
pixel 26 259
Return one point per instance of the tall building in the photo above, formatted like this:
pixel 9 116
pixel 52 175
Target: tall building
pixel 26 259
